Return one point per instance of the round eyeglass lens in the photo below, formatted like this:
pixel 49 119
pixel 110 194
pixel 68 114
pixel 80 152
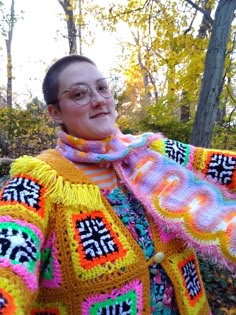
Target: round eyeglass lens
pixel 82 93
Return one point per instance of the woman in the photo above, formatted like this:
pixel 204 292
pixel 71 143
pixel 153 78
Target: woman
pixel 105 223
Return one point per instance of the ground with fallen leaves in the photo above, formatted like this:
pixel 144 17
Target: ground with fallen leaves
pixel 220 286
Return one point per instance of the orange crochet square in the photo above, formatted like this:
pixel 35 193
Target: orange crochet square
pixel 222 167
pixel 25 191
pixel 191 279
pixel 7 303
pixel 97 242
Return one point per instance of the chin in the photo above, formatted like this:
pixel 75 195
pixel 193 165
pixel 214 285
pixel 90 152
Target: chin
pixel 104 134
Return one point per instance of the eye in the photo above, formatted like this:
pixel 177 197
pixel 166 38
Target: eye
pixel 103 87
pixel 79 92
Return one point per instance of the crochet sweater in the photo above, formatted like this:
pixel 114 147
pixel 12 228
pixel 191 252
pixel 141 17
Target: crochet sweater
pixel 63 247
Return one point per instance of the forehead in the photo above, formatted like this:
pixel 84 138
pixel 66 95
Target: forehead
pixel 78 72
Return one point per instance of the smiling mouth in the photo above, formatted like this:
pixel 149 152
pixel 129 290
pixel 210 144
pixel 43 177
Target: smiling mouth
pixel 98 115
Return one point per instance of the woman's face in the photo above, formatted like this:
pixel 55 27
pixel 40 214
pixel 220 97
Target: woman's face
pixel 93 121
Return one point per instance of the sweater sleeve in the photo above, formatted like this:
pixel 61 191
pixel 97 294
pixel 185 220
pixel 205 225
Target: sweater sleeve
pixel 216 165
pixel 198 206
pixel 24 213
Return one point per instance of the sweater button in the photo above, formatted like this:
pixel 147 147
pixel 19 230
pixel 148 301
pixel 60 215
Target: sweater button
pixel 158 258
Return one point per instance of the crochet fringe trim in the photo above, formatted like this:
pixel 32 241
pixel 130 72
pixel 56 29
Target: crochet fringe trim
pixel 57 188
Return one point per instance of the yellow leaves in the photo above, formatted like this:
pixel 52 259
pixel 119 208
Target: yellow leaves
pixel 9 70
pixel 26 131
pixel 210 4
pixel 72 5
pixel 123 122
pixel 9 67
pixel 163 62
pixel 79 19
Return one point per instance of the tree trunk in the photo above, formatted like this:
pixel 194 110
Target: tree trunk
pixel 205 27
pixel 184 109
pixel 4 146
pixel 9 56
pixel 80 28
pixel 71 27
pixel 212 78
pixel 9 76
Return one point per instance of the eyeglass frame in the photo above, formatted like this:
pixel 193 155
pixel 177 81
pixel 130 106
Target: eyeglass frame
pixel 91 93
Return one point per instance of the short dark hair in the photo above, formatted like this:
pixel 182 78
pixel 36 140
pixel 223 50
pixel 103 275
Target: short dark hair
pixel 51 79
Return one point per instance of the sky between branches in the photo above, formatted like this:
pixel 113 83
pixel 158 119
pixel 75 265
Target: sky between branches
pixel 37 42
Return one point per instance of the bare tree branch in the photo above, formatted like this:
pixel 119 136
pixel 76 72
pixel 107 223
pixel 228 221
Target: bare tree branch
pixel 234 109
pixel 191 24
pixel 231 96
pixel 8 41
pixel 208 17
pixel 128 12
pixel 6 161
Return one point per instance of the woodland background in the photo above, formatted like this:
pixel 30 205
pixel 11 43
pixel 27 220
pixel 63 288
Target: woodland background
pixel 177 75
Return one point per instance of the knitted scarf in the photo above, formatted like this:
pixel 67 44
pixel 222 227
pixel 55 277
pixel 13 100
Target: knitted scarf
pixel 191 207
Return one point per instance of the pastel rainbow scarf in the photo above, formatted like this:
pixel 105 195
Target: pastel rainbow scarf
pixel 186 205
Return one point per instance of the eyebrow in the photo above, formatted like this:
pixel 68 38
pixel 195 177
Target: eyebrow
pixel 81 82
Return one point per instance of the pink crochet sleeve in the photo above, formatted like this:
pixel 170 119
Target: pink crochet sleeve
pixel 217 166
pixel 23 223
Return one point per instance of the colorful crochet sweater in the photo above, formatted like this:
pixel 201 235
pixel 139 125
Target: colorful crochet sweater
pixel 64 250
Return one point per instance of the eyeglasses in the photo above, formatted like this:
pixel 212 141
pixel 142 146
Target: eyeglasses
pixel 81 93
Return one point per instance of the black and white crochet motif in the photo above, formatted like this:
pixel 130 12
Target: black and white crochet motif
pixel 123 307
pixel 17 245
pixel 222 168
pixel 3 303
pixel 191 279
pixel 23 190
pixel 96 238
pixel 175 150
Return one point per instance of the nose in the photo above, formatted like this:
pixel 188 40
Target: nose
pixel 97 98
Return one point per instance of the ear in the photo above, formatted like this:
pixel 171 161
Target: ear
pixel 55 113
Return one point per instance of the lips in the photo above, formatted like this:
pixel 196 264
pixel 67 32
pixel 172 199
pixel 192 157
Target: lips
pixel 99 114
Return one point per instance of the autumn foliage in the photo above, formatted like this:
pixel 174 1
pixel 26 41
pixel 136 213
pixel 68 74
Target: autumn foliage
pixel 159 74
pixel 26 131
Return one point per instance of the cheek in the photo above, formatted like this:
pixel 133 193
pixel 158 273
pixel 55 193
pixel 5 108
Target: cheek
pixel 112 105
pixel 77 114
